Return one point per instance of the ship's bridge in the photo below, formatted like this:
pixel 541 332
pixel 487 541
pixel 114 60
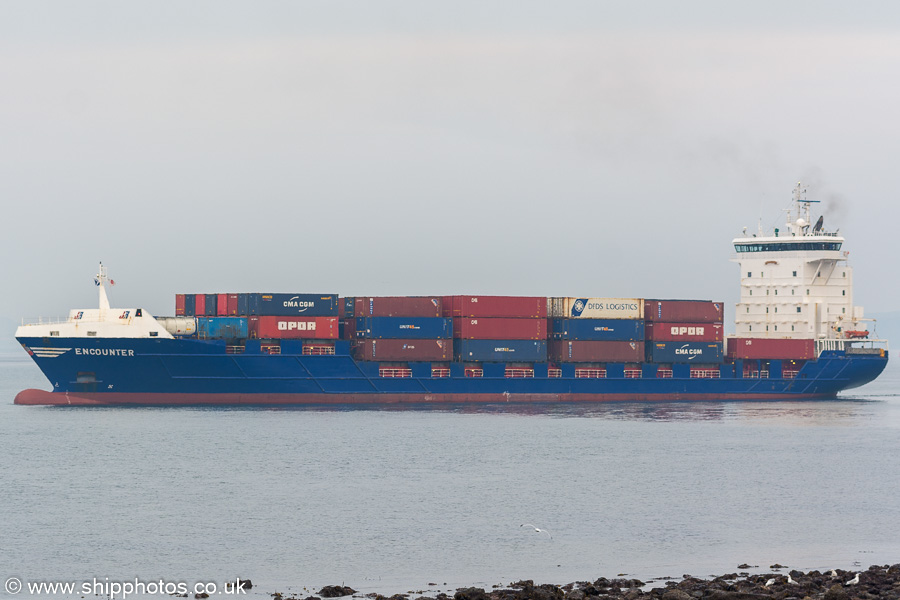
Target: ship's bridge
pixel 808 247
pixel 796 281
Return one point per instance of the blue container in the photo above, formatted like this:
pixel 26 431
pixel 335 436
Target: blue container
pixel 190 305
pixel 212 301
pixel 221 328
pixel 243 307
pixel 349 307
pixel 299 305
pixel 404 328
pixel 501 350
pixel 600 330
pixel 685 352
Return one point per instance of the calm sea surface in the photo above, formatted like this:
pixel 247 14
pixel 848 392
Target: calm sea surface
pixel 392 501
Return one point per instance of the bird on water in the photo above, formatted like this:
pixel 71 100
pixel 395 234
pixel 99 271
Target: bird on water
pixel 538 530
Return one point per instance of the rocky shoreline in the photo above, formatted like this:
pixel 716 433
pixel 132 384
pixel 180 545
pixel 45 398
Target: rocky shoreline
pixel 881 582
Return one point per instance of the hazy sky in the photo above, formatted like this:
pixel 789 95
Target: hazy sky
pixel 549 148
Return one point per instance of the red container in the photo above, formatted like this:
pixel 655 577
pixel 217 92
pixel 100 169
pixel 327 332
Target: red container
pixel 179 305
pixel 592 351
pixel 200 304
pixel 689 332
pixel 771 348
pixel 405 350
pixel 349 326
pixel 683 311
pixel 271 327
pixel 221 305
pixel 523 307
pixel 231 305
pixel 496 328
pixel 398 306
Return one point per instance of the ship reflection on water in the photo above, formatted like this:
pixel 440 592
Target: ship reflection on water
pixel 810 412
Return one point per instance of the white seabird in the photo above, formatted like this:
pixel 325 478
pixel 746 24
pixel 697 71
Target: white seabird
pixel 538 530
pixel 853 581
pixel 791 581
pixel 770 582
pixel 833 574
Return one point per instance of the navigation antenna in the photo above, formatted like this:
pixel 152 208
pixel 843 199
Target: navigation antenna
pixel 803 207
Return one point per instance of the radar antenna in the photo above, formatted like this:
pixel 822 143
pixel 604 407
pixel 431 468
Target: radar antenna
pixel 819 224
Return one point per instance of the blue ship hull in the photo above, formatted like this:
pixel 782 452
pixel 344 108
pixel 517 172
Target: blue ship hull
pixel 118 371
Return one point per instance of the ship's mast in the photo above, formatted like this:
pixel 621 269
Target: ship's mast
pixel 100 280
pixel 802 222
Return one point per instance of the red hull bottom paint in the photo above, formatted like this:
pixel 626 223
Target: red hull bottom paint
pixel 41 397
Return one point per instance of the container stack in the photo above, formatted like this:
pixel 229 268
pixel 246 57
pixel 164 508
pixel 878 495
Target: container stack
pixel 399 329
pixel 596 330
pixel 507 329
pixel 684 331
pixel 310 317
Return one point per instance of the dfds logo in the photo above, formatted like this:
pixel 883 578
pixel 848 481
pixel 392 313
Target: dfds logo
pixel 578 307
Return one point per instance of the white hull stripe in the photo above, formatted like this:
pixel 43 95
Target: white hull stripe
pixel 49 352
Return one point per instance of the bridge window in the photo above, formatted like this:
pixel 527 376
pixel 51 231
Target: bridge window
pixel 795 273
pixel 92 334
pixel 787 246
pixel 798 309
pixel 749 274
pixel 843 292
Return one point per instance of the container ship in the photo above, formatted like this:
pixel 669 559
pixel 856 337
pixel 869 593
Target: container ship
pixel 797 335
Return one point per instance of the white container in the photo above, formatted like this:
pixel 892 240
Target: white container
pixel 597 308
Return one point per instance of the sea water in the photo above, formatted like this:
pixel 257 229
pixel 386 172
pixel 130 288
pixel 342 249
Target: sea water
pixel 427 500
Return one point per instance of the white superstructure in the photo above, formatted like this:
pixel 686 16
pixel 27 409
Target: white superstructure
pixel 796 282
pixel 102 322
